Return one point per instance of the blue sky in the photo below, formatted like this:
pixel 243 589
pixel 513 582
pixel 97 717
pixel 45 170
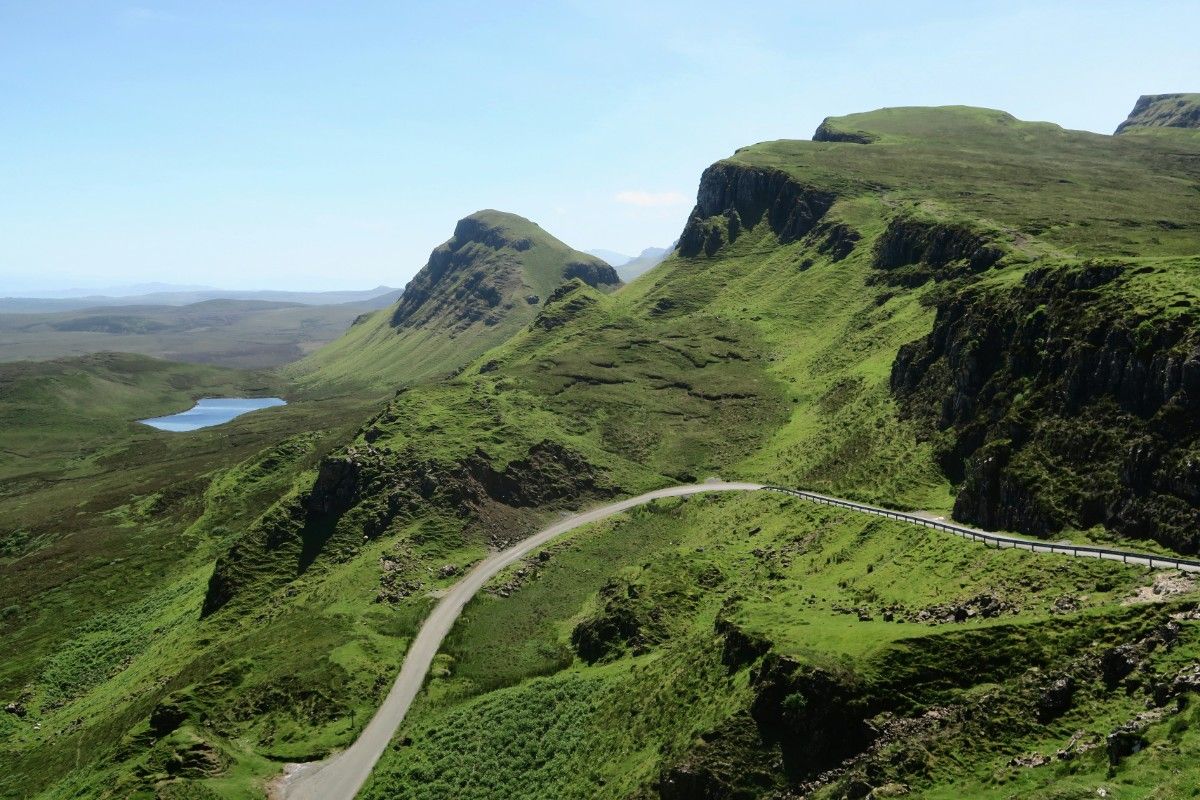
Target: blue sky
pixel 331 145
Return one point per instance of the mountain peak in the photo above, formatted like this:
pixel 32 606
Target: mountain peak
pixel 495 262
pixel 497 229
pixel 1179 110
pixel 478 288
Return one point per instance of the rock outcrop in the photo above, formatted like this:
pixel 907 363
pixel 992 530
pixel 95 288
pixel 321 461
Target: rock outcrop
pixel 827 131
pixel 596 274
pixel 1163 111
pixel 817 717
pixel 362 491
pixel 483 272
pixel 911 252
pixel 735 198
pixel 1063 370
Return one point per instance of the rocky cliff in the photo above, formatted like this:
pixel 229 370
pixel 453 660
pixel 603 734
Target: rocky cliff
pixel 733 198
pixel 1062 402
pixel 1163 111
pixel 494 263
pixel 478 288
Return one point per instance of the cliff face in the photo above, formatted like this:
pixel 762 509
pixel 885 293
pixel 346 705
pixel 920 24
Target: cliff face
pixel 1062 403
pixel 1163 111
pixel 734 198
pixel 912 252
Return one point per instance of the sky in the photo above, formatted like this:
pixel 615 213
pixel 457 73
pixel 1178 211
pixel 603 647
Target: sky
pixel 331 145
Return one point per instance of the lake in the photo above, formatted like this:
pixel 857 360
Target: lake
pixel 212 411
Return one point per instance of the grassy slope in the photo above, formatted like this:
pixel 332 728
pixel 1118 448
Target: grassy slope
pixel 1163 111
pixel 1045 189
pixel 828 339
pixel 489 726
pixel 242 334
pixel 378 352
pixel 768 361
pixel 109 529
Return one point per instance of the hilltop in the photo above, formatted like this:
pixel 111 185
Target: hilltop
pixel 477 289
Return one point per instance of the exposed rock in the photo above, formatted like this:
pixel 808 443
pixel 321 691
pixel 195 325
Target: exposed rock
pixel 1030 760
pixel 1128 738
pixel 1115 397
pixel 167 716
pixel 531 567
pixel 912 252
pixel 1186 680
pixel 372 488
pixel 827 132
pixel 1079 743
pixel 1163 111
pixel 733 198
pixel 816 717
pixel 563 304
pixel 1055 699
pixel 1166 585
pixel 596 274
pixel 1065 605
pixel 836 240
pixel 17 709
pixel 729 762
pixel 479 274
pixel 626 619
pixel 985 605
pixel 1117 662
pixel 740 647
pixel 197 760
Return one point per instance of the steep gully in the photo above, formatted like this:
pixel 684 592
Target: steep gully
pixel 341 777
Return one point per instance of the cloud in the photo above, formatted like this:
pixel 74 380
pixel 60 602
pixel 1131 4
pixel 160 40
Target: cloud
pixel 651 199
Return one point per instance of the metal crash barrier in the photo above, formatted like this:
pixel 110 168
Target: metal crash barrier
pixel 1001 541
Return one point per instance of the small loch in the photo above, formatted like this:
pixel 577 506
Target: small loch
pixel 212 411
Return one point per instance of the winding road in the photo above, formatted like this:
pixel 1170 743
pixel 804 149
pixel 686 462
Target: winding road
pixel 341 776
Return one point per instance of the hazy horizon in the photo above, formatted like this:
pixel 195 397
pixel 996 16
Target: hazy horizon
pixel 266 147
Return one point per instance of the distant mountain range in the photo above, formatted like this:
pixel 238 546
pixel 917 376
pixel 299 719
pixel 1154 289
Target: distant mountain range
pixel 168 295
pixel 613 258
pixel 630 267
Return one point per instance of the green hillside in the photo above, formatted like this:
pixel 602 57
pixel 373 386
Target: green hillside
pixel 1163 111
pixel 941 309
pixel 826 259
pixel 478 288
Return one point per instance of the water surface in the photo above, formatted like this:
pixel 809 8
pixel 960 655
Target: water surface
pixel 212 411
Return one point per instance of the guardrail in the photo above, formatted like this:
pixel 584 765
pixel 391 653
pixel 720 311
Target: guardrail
pixel 1001 541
